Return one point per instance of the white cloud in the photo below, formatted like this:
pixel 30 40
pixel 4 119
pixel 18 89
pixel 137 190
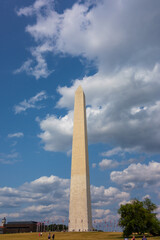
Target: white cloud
pixel 109 118
pixel 138 175
pixel 46 184
pixel 120 151
pixel 111 98
pixel 31 103
pixel 124 93
pixel 94 165
pixel 57 132
pixel 112 152
pixel 17 135
pixel 104 31
pixel 146 196
pixel 135 110
pixel 9 215
pixel 26 66
pixel 101 213
pixel 38 70
pixel 35 8
pixel 38 199
pixel 10 158
pixel 8 191
pixel 108 163
pixel 41 208
pixel 102 196
pixel 158 211
pixel 129 186
pixel 48 197
pixel 37 67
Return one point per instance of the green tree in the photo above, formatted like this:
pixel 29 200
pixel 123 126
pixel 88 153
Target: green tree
pixel 149 205
pixel 138 217
pixel 153 224
pixel 57 227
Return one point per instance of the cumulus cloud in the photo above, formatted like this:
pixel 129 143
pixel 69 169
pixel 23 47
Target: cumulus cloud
pixel 101 213
pixel 146 196
pixel 57 132
pixel 47 184
pixel 43 197
pixel 138 175
pixel 48 198
pixel 80 31
pixel 102 196
pixel 112 98
pixel 111 163
pixel 108 163
pixel 31 103
pixel 124 93
pixel 109 116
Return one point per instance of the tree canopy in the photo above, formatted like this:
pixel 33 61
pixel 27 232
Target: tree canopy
pixel 139 217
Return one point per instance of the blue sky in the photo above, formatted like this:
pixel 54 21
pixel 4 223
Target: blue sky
pixel 49 48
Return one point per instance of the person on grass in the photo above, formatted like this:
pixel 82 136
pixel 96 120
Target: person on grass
pixel 144 238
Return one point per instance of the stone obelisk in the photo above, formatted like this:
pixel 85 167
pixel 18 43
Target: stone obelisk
pixel 80 217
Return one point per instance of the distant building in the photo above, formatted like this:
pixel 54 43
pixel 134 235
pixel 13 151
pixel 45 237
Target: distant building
pixel 3 222
pixel 21 227
pixel 1 230
pixel 2 225
pixel 18 227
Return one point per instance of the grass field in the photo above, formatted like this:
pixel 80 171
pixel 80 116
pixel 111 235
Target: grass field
pixel 69 236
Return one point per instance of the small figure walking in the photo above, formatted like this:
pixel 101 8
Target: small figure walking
pixel 53 236
pixel 133 238
pixel 49 236
pixel 144 238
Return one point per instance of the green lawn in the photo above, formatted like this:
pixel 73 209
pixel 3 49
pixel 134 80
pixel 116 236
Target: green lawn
pixel 69 236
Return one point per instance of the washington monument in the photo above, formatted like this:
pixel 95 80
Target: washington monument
pixel 80 216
